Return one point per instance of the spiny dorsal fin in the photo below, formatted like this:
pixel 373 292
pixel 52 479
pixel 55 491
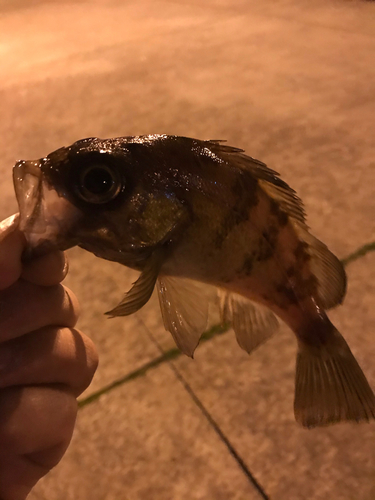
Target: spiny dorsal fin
pixel 142 289
pixel 252 323
pixel 269 180
pixel 184 307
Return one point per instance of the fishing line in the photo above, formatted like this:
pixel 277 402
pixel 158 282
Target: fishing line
pixel 209 418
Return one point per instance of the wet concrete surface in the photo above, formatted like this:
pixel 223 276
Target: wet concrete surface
pixel 291 82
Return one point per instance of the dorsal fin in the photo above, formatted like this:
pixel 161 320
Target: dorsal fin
pixel 269 180
pixel 326 267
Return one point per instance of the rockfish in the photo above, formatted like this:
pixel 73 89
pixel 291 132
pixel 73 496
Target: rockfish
pixel 186 212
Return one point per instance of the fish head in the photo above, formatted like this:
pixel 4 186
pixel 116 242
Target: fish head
pixel 95 194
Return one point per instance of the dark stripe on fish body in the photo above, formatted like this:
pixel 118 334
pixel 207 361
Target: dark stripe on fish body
pixel 220 238
pixel 308 287
pixel 244 190
pixel 297 289
pixel 265 251
pixel 281 216
pixel 247 265
pixel 271 234
pixel 231 220
pixel 267 243
pixel 291 271
pixel 288 295
pixel 300 252
pixel 317 332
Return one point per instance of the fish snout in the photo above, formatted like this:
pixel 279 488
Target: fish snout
pixel 44 214
pixel 27 179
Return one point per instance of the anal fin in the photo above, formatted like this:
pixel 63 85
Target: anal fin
pixel 252 323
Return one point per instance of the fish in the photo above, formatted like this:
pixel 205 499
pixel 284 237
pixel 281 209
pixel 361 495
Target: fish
pixel 211 229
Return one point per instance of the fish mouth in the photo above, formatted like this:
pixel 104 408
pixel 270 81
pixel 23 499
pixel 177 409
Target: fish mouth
pixel 45 216
pixel 27 179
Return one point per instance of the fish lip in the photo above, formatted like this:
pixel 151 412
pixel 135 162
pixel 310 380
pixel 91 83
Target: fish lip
pixel 46 217
pixel 27 180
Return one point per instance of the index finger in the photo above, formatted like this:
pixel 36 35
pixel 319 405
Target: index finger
pixel 47 270
pixel 12 244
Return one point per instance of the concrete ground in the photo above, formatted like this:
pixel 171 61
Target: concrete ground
pixel 292 82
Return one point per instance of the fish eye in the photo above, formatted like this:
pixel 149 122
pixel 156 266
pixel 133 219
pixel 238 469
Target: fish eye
pixel 98 183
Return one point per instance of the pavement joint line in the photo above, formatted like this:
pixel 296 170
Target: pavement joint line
pixel 213 332
pixel 141 371
pixel 360 252
pixel 209 418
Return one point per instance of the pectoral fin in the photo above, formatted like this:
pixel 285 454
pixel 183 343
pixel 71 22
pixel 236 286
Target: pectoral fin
pixel 252 323
pixel 141 290
pixel 184 307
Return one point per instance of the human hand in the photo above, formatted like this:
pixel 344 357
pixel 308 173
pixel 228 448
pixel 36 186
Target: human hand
pixel 45 363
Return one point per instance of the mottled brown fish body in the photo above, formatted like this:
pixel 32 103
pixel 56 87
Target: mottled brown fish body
pixel 185 212
pixel 250 248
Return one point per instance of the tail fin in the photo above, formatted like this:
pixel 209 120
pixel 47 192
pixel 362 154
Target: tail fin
pixel 330 385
